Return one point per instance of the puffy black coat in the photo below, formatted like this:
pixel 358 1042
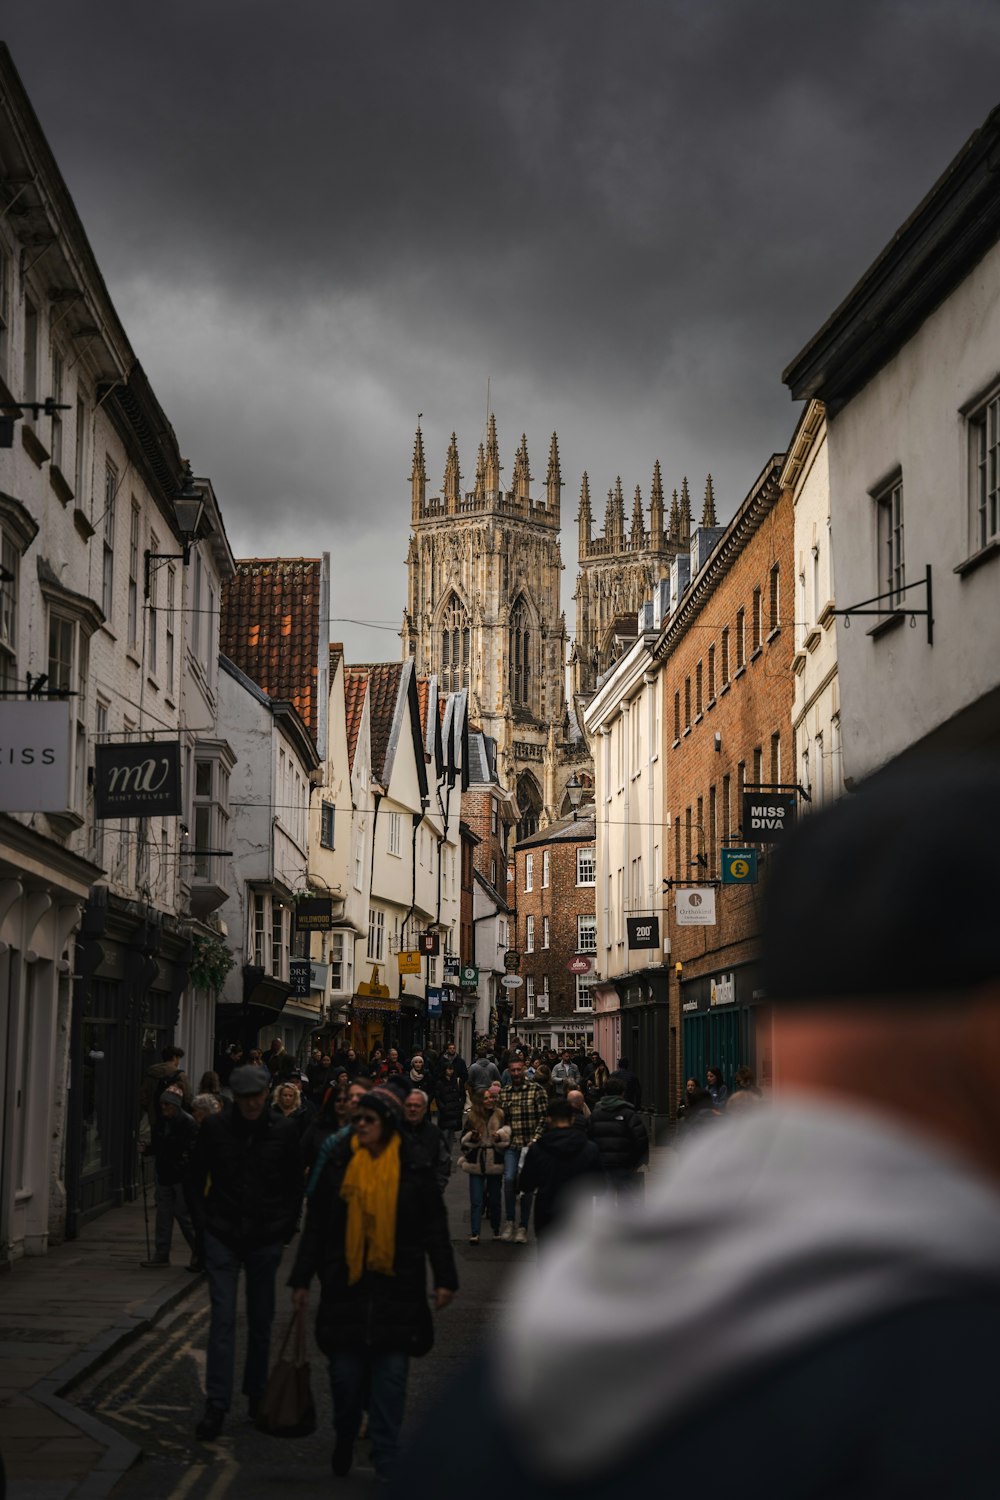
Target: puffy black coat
pixel 557 1160
pixel 170 1145
pixel 381 1313
pixel 619 1135
pixel 246 1179
pixel 450 1098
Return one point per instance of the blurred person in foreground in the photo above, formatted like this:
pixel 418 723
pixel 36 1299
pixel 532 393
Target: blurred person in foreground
pixel 818 1280
pixel 374 1222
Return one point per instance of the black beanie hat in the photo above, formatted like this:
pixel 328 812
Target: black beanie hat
pixel 891 891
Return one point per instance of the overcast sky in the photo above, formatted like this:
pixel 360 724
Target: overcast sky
pixel 317 220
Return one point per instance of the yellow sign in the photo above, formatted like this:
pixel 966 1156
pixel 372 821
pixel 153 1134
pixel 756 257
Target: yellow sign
pixel 372 989
pixel 409 961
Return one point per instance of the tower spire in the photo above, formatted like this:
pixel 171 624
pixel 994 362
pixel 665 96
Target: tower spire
pixel 618 512
pixel 492 457
pixel 708 509
pixel 452 487
pixel 480 489
pixel 553 477
pixel 418 475
pixel 585 517
pixel 522 476
pixel 656 508
pixel 675 519
pixel 637 531
pixel 685 513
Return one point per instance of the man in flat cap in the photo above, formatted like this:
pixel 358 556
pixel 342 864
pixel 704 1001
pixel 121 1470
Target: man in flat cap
pixel 246 1191
pixel 813 1289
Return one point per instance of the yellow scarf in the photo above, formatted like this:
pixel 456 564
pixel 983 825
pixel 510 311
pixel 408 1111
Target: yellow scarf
pixel 371 1191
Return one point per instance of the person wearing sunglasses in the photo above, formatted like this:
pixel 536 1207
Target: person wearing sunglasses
pixel 375 1219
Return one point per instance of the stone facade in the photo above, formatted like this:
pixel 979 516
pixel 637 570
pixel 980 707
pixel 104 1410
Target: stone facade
pixel 483 612
pixel 620 570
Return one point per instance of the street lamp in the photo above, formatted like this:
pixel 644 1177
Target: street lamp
pixel 574 791
pixel 189 507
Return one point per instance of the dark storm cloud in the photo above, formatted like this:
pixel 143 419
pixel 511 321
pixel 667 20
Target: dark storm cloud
pixel 317 221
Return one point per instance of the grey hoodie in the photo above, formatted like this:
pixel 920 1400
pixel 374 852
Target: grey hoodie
pixel 775 1230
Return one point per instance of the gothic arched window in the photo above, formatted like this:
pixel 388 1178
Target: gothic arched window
pixel 455 646
pixel 520 652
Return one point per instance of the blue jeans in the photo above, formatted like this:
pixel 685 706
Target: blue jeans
pixel 357 1376
pixel 484 1192
pixel 511 1158
pixel 223 1268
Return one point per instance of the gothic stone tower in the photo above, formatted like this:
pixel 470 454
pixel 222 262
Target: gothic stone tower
pixel 619 572
pixel 483 612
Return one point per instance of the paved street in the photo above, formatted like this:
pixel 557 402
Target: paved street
pixel 151 1392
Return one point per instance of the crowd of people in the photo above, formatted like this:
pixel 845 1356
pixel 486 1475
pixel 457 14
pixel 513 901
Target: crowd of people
pixel 367 1144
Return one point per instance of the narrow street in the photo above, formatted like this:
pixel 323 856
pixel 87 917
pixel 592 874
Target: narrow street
pixel 152 1391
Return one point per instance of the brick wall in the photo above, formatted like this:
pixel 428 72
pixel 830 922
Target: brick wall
pixel 751 715
pixel 561 901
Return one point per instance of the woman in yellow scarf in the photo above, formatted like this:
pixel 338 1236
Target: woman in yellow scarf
pixel 375 1218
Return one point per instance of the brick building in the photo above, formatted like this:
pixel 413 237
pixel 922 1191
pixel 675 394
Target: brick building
pixel 727 653
pixel 556 919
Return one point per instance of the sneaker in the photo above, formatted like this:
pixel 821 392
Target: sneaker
pixel 210 1426
pixel 521 1237
pixel 473 1239
pixel 507 1232
pixel 343 1458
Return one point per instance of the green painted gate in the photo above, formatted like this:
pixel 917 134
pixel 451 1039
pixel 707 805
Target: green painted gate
pixel 716 1039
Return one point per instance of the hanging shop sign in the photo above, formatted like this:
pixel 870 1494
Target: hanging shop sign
pixel 435 995
pixel 452 966
pixel 768 816
pixel 34 756
pixel 511 960
pixel 409 960
pixel 469 977
pixel 643 932
pixel 371 989
pixel 695 906
pixel 430 944
pixel 512 981
pixel 314 914
pixel 138 780
pixel 300 977
pixel 739 866
pixel 581 964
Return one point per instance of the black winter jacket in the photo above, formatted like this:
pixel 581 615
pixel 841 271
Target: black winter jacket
pixel 450 1103
pixel 557 1160
pixel 381 1313
pixel 428 1137
pixel 170 1145
pixel 619 1135
pixel 246 1179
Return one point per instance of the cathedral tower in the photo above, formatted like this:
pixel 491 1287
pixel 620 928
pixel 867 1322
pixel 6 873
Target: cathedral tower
pixel 619 571
pixel 483 612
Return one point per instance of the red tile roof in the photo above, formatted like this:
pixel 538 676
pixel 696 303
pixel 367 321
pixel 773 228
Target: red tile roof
pixel 355 688
pixel 423 698
pixel 336 656
pixel 383 688
pixel 270 627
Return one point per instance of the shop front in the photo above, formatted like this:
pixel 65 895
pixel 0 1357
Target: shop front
pixel 131 968
pixel 649 1042
pixel 726 1024
pixel 607 1023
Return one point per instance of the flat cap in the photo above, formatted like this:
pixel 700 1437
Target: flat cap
pixel 249 1080
pixel 891 891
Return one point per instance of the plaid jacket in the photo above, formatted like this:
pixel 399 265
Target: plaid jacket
pixel 524 1111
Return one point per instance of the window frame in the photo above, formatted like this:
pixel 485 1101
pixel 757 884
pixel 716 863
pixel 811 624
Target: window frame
pixel 583 861
pixel 586 928
pixel 890 534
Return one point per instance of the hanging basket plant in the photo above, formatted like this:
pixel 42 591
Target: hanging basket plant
pixel 210 964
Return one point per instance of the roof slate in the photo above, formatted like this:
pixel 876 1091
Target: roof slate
pixel 270 628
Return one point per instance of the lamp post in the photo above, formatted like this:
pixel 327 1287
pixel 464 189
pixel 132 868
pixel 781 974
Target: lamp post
pixel 574 791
